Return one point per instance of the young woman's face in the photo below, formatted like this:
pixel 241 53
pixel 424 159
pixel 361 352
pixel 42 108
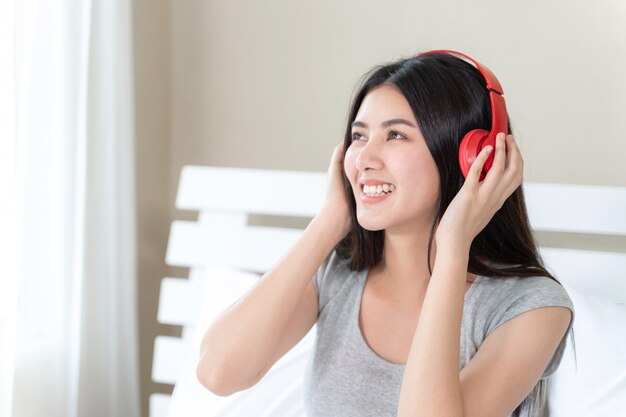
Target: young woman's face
pixel 385 150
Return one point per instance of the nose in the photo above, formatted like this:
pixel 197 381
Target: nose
pixel 369 157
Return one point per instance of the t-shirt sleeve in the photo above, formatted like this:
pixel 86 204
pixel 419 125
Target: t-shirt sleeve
pixel 527 294
pixel 328 278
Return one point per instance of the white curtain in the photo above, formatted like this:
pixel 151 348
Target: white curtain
pixel 68 343
pixel 9 210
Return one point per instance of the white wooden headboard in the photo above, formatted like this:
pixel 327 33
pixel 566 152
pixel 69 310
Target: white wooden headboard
pixel 582 209
pixel 225 197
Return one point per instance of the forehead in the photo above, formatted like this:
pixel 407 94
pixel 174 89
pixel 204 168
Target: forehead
pixel 383 103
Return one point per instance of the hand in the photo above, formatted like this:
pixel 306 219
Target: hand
pixel 336 204
pixel 477 202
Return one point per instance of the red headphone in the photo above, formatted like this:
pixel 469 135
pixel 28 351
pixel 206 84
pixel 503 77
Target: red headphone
pixel 475 140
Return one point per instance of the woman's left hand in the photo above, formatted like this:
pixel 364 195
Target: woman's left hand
pixel 477 202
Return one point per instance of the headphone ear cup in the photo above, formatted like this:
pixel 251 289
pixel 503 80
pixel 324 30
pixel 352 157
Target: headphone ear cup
pixel 470 147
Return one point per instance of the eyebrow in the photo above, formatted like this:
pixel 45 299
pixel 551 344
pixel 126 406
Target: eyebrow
pixel 387 123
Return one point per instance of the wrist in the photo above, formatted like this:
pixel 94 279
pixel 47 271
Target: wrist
pixel 452 247
pixel 333 223
pixel 453 241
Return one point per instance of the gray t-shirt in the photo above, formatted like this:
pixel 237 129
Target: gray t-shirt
pixel 345 377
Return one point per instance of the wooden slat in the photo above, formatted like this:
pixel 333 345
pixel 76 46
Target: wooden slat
pixel 254 248
pixel 180 301
pixel 552 207
pixel 576 208
pixel 211 219
pixel 159 404
pixel 169 354
pixel 246 190
pixel 597 273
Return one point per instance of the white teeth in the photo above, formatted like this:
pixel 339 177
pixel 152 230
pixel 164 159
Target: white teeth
pixel 378 190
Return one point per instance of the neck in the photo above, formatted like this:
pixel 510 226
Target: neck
pixel 403 269
pixel 405 264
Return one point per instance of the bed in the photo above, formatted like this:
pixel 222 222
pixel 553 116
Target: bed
pixel 583 227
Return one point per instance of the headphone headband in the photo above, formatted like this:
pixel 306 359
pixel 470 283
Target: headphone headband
pixel 477 139
pixel 492 82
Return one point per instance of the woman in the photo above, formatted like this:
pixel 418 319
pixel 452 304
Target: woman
pixel 422 274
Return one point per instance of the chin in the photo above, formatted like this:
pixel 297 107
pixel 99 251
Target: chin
pixel 371 225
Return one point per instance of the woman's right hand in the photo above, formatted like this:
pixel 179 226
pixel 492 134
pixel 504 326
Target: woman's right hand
pixel 336 207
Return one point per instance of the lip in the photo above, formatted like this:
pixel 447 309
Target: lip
pixel 366 199
pixel 369 199
pixel 373 182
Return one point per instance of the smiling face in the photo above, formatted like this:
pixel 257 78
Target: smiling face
pixel 388 148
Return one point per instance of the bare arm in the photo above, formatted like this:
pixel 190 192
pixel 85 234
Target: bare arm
pixel 243 340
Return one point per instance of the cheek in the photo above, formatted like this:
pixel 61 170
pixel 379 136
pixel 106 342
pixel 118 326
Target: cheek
pixel 420 172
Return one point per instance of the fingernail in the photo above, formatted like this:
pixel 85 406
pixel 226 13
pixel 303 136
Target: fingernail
pixel 489 148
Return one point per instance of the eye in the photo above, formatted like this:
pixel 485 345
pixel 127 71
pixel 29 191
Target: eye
pixel 355 136
pixel 393 133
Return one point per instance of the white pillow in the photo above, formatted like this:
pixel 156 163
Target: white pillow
pixel 597 386
pixel 278 394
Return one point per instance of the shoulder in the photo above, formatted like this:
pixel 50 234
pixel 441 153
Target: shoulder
pixel 331 276
pixel 508 289
pixel 511 361
pixel 332 266
pixel 507 297
pixel 514 309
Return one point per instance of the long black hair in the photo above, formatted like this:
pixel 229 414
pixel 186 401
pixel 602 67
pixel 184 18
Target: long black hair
pixel 448 97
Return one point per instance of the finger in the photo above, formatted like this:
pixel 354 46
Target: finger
pixel 473 176
pixel 498 167
pixel 336 159
pixel 499 159
pixel 512 178
pixel 338 152
pixel 515 162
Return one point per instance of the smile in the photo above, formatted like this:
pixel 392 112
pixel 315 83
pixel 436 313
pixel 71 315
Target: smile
pixel 378 190
pixel 376 193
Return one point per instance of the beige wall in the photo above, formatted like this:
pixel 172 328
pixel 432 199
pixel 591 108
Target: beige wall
pixel 152 109
pixel 267 85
